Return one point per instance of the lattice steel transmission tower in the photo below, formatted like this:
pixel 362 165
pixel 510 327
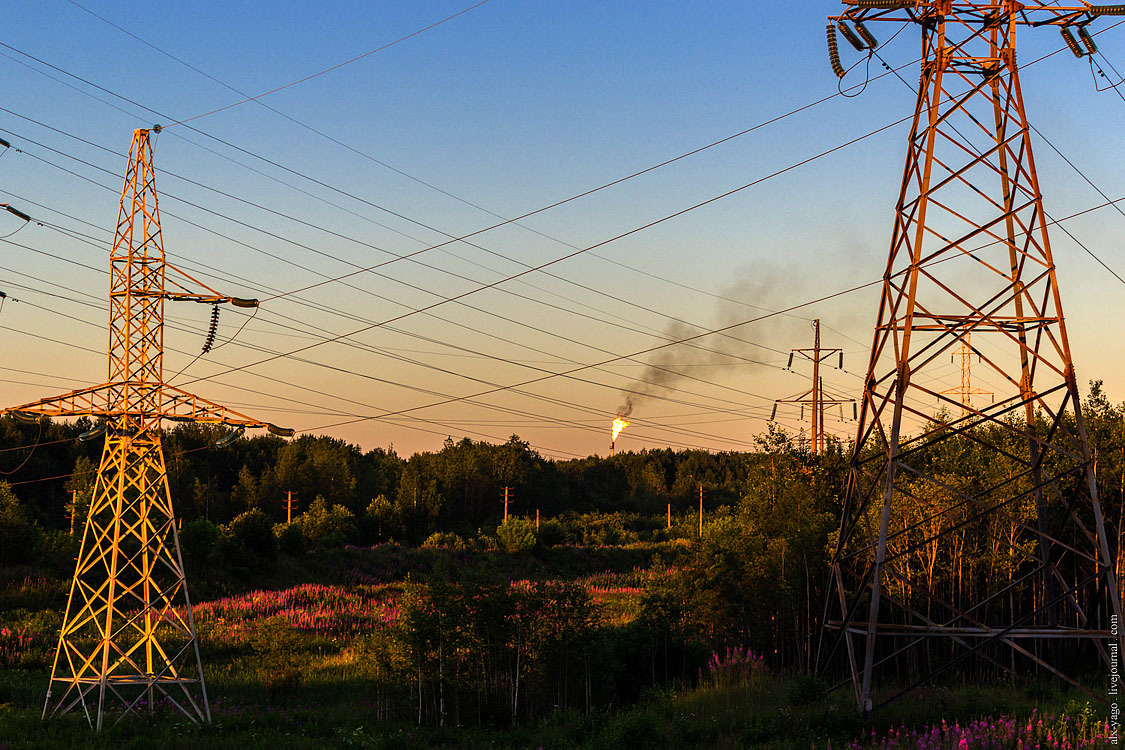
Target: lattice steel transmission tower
pixel 128 639
pixel 965 391
pixel 969 254
pixel 815 397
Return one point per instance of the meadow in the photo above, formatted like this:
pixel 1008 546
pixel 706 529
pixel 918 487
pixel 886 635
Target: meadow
pixel 336 649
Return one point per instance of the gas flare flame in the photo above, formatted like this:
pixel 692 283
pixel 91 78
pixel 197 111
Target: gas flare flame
pixel 619 424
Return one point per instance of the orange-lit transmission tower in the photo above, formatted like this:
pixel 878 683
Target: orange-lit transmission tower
pixel 965 390
pixel 969 254
pixel 127 639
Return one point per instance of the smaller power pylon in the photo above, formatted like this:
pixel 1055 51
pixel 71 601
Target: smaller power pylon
pixel 815 396
pixel 965 391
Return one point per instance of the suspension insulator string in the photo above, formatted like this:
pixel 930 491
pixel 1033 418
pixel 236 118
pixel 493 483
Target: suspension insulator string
pixel 867 37
pixel 851 37
pixel 834 52
pixel 210 340
pixel 1087 40
pixel 1070 41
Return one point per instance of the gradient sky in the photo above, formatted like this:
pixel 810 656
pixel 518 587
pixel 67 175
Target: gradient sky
pixel 504 109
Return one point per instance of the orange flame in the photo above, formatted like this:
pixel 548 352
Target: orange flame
pixel 619 424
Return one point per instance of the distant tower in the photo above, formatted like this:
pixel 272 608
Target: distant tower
pixel 815 396
pixel 969 254
pixel 965 391
pixel 128 640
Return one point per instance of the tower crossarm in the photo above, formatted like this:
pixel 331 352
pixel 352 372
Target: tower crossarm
pixel 174 404
pixel 985 13
pixel 187 288
pixel 180 406
pixel 84 402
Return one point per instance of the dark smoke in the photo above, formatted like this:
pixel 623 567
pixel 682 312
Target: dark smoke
pixel 717 358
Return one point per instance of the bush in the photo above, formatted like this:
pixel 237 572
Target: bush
pixel 290 539
pixel 325 527
pixel 278 647
pixel 805 690
pixel 552 533
pixel 516 535
pixel 58 551
pixel 446 539
pixel 382 520
pixel 199 542
pixel 18 535
pixel 254 531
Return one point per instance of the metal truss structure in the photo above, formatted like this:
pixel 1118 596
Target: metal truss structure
pixel 969 255
pixel 128 640
pixel 815 397
pixel 965 391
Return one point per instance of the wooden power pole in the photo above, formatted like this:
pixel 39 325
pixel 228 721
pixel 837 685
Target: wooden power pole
pixel 506 491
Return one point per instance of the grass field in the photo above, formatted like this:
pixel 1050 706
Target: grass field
pixel 321 616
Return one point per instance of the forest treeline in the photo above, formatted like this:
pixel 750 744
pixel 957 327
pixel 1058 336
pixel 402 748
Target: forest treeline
pixel 456 489
pixel 376 496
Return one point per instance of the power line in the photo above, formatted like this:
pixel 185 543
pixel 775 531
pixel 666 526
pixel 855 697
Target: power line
pixel 492 357
pixel 665 337
pixel 591 247
pixel 485 210
pixel 390 278
pixel 415 388
pixel 365 244
pixel 689 209
pixel 466 397
pixel 421 224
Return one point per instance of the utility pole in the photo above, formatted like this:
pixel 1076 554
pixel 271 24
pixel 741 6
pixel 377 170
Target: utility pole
pixel 290 504
pixel 536 520
pixel 73 509
pixel 669 515
pixel 700 510
pixel 815 396
pixel 970 253
pixel 506 491
pixel 128 638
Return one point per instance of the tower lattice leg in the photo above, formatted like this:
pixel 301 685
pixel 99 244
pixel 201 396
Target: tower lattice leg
pixel 128 639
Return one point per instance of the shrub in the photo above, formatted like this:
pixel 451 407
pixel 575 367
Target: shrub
pixel 446 539
pixel 516 535
pixel 199 541
pixel 327 527
pixel 18 535
pixel 290 539
pixel 254 531
pixel 58 550
pixel 278 646
pixel 382 520
pixel 552 533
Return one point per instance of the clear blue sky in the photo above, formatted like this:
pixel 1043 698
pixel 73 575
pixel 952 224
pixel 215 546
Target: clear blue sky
pixel 510 106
